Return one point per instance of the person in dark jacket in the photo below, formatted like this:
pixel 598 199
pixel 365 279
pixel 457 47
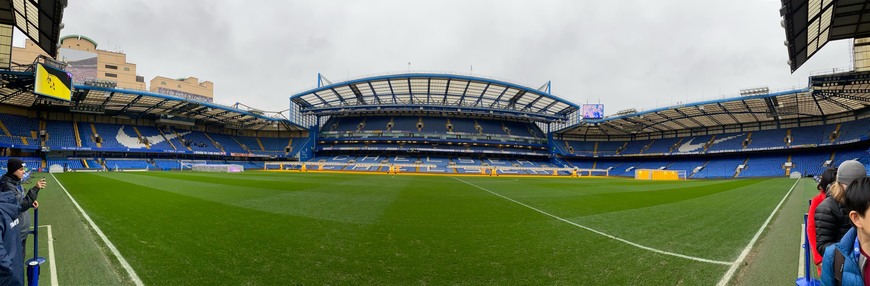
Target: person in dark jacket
pixel 831 218
pixel 11 182
pixel 828 177
pixel 11 253
pixel 855 245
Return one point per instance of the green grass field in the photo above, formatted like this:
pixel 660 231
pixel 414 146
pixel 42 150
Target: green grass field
pixel 319 228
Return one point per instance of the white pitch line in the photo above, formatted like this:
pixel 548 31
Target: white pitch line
pixel 51 265
pixel 699 259
pixel 731 271
pixel 105 239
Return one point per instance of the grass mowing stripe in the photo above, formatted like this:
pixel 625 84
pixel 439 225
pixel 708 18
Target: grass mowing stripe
pixel 602 233
pixel 733 268
pixel 109 244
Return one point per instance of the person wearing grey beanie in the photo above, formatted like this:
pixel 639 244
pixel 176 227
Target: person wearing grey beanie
pixel 849 171
pixel 832 217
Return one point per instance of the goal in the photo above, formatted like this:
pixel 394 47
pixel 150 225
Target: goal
pixel 655 175
pixel 217 168
pixel 204 166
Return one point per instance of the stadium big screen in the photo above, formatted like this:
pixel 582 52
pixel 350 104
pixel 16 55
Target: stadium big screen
pixel 592 111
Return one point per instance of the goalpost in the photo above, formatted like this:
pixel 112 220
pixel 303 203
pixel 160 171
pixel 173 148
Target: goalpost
pixel 204 166
pixel 655 175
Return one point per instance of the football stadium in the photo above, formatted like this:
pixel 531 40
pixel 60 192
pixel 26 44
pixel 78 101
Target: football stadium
pixel 419 178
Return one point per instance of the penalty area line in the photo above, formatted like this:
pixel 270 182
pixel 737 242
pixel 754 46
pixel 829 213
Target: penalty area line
pixel 659 251
pixel 102 236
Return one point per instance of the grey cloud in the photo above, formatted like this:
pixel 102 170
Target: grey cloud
pixel 625 53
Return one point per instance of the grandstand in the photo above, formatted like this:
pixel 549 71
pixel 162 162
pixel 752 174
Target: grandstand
pixel 442 123
pixel 466 118
pixel 122 129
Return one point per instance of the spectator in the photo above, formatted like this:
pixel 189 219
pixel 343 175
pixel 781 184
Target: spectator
pixel 831 218
pixel 11 254
pixel 11 182
pixel 848 258
pixel 828 177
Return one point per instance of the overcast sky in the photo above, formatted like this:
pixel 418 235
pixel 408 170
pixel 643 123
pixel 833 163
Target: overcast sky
pixel 626 54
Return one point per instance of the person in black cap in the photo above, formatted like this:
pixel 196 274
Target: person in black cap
pixel 11 182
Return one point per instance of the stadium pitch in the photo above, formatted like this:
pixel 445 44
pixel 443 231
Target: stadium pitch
pixel 317 228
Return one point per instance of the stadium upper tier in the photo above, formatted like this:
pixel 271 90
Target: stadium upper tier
pixel 774 109
pixel 428 124
pixel 431 134
pixel 762 140
pixel 459 94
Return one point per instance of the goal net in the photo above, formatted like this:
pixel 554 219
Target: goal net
pixel 655 175
pixel 217 168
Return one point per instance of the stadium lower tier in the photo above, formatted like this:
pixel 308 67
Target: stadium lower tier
pixel 776 164
pixel 737 166
pixel 734 166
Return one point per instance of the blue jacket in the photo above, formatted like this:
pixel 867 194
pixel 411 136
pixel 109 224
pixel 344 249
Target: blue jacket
pixel 11 253
pixel 10 183
pixel 851 271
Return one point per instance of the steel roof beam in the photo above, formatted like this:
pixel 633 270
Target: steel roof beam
pixel 358 94
pixel 498 99
pixel 464 92
pixel 480 98
pixel 749 109
pixel 132 102
pixel 377 98
pixel 410 93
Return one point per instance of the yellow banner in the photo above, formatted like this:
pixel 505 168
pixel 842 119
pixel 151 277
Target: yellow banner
pixel 52 83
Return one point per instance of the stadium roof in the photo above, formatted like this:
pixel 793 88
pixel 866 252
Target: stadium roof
pixel 773 107
pixel 16 89
pixel 809 25
pixel 428 91
pixel 39 20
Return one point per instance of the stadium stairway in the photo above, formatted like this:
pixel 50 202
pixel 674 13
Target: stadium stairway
pixel 245 147
pixel 739 170
pixel 693 172
pixel 167 140
pixel 139 135
pixel 835 134
pixel 94 130
pixel 748 141
pixel 214 143
pixel 710 143
pixel 178 138
pixel 5 130
pixel 76 133
pixel 259 142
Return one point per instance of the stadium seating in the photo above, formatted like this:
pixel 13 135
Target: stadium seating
pixel 155 139
pixel 433 125
pixel 124 164
pixel 764 166
pixel 227 143
pixel 60 134
pixel 727 142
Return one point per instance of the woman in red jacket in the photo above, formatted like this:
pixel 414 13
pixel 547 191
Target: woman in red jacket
pixel 828 177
